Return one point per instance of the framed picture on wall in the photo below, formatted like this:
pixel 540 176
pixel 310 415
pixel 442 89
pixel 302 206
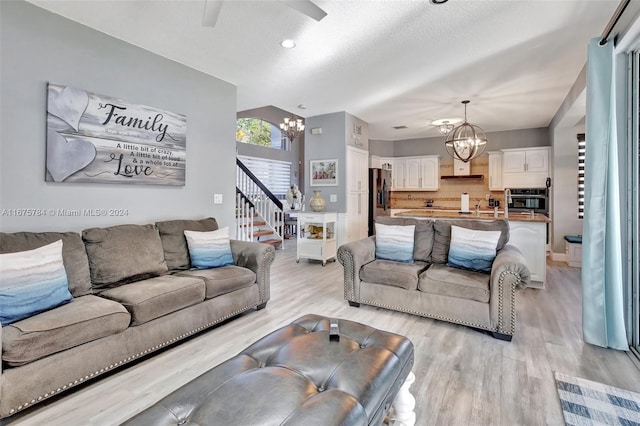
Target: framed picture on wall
pixel 323 172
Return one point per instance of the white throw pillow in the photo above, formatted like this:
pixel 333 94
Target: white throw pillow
pixel 395 242
pixel 472 249
pixel 31 282
pixel 209 249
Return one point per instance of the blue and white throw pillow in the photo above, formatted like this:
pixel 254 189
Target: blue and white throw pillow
pixel 395 242
pixel 472 249
pixel 209 249
pixel 31 282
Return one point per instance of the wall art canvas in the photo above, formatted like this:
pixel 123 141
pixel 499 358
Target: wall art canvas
pixel 99 139
pixel 324 172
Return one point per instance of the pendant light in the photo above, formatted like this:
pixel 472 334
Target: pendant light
pixel 466 141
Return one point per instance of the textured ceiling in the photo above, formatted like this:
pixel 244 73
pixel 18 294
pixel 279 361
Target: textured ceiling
pixel 388 62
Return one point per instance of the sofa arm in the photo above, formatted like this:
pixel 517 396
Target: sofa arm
pixel 257 257
pixel 353 256
pixel 508 274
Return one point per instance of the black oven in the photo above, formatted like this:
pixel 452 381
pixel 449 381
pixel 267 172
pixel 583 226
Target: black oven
pixel 536 199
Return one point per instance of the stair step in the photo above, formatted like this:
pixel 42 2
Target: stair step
pixel 262 233
pixel 246 215
pixel 274 242
pixel 257 223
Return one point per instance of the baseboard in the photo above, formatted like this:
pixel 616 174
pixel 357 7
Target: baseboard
pixel 558 257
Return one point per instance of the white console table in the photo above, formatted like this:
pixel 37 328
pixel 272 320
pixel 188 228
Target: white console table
pixel 316 237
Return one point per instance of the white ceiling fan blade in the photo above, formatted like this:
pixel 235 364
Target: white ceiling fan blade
pixel 307 7
pixel 211 12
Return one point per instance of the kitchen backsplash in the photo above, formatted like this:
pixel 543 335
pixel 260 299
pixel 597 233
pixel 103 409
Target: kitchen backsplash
pixel 450 189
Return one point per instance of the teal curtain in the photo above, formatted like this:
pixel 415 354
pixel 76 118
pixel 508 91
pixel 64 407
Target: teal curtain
pixel 602 282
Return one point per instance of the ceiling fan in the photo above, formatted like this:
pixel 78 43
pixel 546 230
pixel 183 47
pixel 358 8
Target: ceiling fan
pixel 212 10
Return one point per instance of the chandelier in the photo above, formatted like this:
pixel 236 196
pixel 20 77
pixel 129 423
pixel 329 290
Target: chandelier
pixel 292 127
pixel 466 141
pixel 445 127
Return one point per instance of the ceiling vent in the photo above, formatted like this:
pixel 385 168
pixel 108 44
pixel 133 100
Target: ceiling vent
pixel 400 127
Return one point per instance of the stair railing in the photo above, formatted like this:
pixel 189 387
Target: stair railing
pixel 265 203
pixel 245 213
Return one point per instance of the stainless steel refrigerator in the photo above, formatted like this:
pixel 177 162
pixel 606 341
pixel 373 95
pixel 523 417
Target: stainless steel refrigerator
pixel 379 193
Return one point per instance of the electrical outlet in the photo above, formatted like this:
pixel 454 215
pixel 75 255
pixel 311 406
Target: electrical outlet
pixel 409 196
pixel 486 197
pixel 217 198
pixel 333 198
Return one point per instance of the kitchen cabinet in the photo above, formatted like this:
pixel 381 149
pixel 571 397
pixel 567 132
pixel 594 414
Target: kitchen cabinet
pixel 530 238
pixel 416 173
pixel 495 171
pixel 525 168
pixel 316 237
pixel 374 162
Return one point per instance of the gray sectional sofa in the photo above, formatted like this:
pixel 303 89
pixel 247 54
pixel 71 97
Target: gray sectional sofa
pixel 134 292
pixel 428 287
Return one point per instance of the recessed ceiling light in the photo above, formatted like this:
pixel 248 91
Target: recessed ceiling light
pixel 302 106
pixel 288 44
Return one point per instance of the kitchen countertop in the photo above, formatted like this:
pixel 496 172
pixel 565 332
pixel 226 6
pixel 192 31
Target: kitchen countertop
pixel 484 214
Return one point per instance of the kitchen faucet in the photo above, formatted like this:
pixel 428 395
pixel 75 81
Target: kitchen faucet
pixel 478 207
pixel 507 200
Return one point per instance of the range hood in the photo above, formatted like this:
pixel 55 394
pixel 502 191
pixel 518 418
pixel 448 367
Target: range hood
pixel 462 170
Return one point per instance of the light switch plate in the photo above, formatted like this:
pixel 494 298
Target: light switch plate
pixel 333 198
pixel 217 198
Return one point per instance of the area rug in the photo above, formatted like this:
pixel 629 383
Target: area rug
pixel 590 403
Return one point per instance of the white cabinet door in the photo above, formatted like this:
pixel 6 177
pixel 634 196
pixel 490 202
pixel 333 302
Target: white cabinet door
pixel 412 169
pixel 538 161
pixel 357 169
pixel 514 162
pixel 530 238
pixel 397 173
pixel 495 172
pixel 430 173
pixel 374 162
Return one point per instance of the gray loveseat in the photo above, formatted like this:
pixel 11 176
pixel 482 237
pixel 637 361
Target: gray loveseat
pixel 134 292
pixel 428 287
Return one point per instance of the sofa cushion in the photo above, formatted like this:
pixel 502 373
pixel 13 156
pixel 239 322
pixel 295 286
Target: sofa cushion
pixel 152 298
pixel 223 280
pixel 210 249
pixel 123 253
pixel 82 320
pixel 74 255
pixel 472 249
pixel 423 237
pixel 442 238
pixel 174 243
pixel 447 281
pixel 394 242
pixel 31 282
pixel 391 273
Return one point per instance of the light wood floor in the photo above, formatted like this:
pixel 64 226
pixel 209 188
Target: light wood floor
pixel 464 377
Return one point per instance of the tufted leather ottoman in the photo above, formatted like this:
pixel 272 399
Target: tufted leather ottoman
pixel 297 376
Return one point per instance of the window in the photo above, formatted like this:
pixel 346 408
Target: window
pixel 275 175
pixel 582 145
pixel 259 132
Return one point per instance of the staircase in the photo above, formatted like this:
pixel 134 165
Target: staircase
pixel 259 215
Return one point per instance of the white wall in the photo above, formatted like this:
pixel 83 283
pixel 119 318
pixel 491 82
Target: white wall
pixel 39 47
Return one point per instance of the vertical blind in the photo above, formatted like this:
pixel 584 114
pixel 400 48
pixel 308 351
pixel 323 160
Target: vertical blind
pixel 582 145
pixel 274 174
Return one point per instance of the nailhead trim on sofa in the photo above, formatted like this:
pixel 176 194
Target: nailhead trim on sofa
pixel 131 358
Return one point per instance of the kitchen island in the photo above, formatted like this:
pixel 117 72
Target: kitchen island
pixel 527 232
